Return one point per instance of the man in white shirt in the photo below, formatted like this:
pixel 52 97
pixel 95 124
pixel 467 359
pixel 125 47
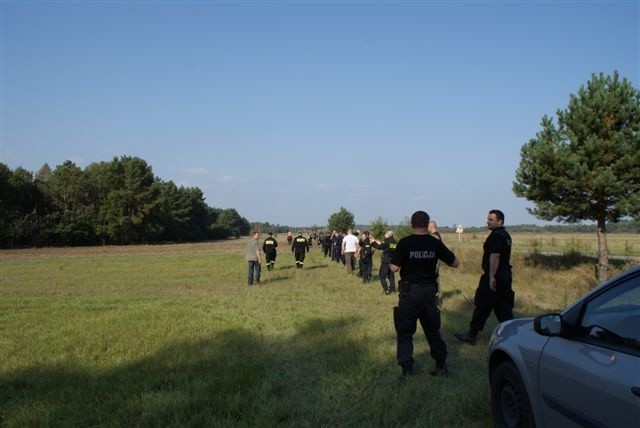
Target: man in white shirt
pixel 349 250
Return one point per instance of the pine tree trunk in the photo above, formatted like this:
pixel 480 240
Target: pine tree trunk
pixel 602 269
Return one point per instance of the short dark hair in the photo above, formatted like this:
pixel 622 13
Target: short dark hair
pixel 420 219
pixel 499 214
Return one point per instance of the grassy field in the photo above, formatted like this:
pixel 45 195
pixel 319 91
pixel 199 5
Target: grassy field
pixel 586 244
pixel 172 336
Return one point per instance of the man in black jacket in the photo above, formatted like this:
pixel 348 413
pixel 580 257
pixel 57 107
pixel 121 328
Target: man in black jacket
pixel 494 290
pixel 385 274
pixel 416 257
pixel 269 247
pixel 300 248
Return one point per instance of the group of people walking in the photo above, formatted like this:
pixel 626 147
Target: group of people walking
pixel 417 258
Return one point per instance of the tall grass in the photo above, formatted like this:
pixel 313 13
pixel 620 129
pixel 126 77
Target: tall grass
pixel 172 336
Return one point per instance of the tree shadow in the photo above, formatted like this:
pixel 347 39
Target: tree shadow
pixel 559 262
pixel 322 375
pixel 219 380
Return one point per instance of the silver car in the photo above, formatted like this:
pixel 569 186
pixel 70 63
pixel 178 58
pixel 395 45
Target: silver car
pixel 579 368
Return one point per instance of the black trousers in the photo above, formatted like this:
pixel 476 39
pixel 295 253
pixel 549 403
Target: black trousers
pixel 486 300
pixel 270 259
pixel 366 265
pixel 385 274
pixel 299 255
pixel 418 303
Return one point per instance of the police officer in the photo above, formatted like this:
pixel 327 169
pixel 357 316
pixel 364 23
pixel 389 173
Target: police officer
pixel 416 257
pixel 494 290
pixel 269 247
pixel 388 247
pixel 300 248
pixel 366 257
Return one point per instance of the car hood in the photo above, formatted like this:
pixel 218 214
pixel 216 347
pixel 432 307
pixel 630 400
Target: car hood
pixel 518 336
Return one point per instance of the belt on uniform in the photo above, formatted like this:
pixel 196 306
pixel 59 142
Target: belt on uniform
pixel 405 286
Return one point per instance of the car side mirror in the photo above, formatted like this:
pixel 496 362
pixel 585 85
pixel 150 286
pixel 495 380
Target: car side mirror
pixel 548 324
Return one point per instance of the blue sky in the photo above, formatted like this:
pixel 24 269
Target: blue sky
pixel 287 111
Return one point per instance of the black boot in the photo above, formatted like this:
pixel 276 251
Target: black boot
pixel 406 372
pixel 467 337
pixel 440 370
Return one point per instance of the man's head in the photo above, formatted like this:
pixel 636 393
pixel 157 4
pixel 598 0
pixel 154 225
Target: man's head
pixel 420 220
pixel 388 234
pixel 495 219
pixel 256 234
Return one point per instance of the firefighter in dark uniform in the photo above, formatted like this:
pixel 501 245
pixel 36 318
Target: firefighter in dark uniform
pixel 416 257
pixel 269 247
pixel 494 290
pixel 385 274
pixel 366 257
pixel 300 248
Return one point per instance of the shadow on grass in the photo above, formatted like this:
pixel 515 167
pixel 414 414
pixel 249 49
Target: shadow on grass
pixel 323 266
pixel 320 376
pixel 233 377
pixel 560 262
pixel 449 293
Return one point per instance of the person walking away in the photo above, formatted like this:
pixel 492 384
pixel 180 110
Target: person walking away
pixel 494 290
pixel 300 248
pixel 349 250
pixel 269 248
pixel 335 253
pixel 252 256
pixel 326 245
pixel 366 258
pixel 386 275
pixel 415 257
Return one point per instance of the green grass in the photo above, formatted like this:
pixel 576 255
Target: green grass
pixel 172 336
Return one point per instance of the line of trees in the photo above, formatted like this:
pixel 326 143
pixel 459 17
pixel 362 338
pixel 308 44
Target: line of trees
pixel 117 203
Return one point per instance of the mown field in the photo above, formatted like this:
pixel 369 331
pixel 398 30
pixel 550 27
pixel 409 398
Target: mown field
pixel 172 336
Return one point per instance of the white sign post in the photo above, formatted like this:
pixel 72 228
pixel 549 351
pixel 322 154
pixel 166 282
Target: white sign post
pixel 459 231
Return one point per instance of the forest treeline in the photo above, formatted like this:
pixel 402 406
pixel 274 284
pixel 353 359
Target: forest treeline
pixel 108 203
pixel 122 202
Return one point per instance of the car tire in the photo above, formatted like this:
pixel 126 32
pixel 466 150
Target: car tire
pixel 510 404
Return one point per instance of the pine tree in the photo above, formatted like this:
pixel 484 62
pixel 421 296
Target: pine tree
pixel 588 166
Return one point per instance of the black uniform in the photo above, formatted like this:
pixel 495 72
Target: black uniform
pixel 501 301
pixel 417 256
pixel 300 248
pixel 326 245
pixel 269 247
pixel 388 247
pixel 336 244
pixel 366 260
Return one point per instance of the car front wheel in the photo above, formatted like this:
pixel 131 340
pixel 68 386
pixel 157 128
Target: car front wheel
pixel 509 400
